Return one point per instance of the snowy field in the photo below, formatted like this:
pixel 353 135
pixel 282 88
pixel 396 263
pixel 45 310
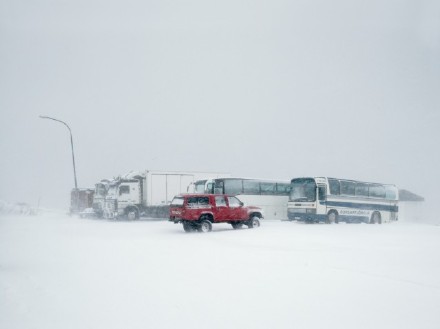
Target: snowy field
pixel 62 272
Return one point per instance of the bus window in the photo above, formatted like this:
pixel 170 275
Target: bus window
pixel 348 188
pixel 251 187
pixel 335 186
pixel 390 192
pixel 267 188
pixel 283 189
pixel 361 189
pixel 218 187
pixel 377 191
pixel 233 186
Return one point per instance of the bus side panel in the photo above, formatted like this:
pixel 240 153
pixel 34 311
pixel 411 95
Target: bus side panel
pixel 273 206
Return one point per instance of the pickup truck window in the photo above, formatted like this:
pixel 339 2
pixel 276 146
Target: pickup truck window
pixel 177 202
pixel 233 202
pixel 220 201
pixel 198 202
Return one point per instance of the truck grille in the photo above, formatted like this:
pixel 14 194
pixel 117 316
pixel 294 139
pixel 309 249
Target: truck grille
pixel 297 210
pixel 110 205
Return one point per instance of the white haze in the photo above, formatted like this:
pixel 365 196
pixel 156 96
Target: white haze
pixel 263 89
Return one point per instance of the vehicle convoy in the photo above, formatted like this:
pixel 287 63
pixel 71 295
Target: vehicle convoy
pixel 200 211
pixel 146 193
pixel 332 200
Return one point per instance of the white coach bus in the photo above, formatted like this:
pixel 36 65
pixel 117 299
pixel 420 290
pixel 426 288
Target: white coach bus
pixel 331 200
pixel 270 196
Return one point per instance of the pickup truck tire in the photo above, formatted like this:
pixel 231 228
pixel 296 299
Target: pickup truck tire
pixel 237 226
pixel 254 222
pixel 188 227
pixel 205 226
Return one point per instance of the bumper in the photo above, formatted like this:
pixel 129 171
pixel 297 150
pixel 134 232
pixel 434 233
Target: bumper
pixel 302 217
pixel 177 220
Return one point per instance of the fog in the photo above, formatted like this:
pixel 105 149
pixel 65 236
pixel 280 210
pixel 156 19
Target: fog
pixel 273 89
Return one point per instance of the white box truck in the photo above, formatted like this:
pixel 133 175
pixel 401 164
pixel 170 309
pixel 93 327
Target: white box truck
pixel 148 193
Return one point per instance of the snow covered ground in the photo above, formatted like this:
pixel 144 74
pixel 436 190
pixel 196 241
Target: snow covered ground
pixel 62 272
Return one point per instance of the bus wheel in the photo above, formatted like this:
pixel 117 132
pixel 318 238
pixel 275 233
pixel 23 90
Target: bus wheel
pixel 375 218
pixel 332 217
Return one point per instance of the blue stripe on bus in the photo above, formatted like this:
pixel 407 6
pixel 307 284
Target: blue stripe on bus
pixel 323 218
pixel 365 206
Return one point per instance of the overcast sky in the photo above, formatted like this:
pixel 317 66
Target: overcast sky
pixel 271 89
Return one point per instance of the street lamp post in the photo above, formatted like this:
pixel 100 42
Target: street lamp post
pixel 71 143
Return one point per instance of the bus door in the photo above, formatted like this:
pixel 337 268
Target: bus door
pixel 321 204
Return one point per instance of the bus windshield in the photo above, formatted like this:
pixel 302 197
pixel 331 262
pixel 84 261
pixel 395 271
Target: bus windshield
pixel 199 186
pixel 303 190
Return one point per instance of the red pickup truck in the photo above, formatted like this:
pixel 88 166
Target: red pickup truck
pixel 200 211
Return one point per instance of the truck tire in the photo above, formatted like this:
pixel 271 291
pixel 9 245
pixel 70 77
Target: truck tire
pixel 188 227
pixel 205 226
pixel 132 214
pixel 376 218
pixel 254 222
pixel 332 217
pixel 237 225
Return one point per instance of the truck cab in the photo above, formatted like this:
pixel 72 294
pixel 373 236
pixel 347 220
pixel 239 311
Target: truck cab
pixel 124 198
